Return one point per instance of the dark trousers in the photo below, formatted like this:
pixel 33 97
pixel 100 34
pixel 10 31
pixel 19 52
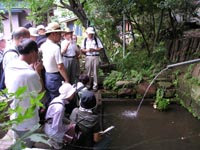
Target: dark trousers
pixel 53 81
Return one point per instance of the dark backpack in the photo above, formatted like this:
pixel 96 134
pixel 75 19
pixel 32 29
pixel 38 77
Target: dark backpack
pixel 2 74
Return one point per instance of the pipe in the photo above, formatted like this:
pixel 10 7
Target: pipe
pixel 183 63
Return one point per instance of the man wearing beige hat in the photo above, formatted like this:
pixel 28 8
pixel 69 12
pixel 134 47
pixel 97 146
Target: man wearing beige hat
pixel 53 61
pixel 70 51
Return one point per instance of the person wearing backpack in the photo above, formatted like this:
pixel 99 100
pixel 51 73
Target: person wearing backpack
pixel 91 46
pixel 11 52
pixel 88 122
pixel 57 126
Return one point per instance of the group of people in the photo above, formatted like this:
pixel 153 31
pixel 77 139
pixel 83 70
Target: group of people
pixel 46 59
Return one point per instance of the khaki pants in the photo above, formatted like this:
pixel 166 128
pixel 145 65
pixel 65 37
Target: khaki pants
pixel 91 66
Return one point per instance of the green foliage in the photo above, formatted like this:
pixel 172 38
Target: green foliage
pixel 137 75
pixel 161 103
pixel 111 79
pixel 39 10
pixel 36 137
pixel 6 98
pixel 188 76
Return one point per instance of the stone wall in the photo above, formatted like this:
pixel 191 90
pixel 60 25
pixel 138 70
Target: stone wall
pixel 188 90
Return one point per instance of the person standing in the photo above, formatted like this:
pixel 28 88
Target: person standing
pixel 20 73
pixel 11 53
pixel 33 33
pixel 17 36
pixel 2 46
pixel 91 46
pixel 41 38
pixel 78 56
pixel 52 60
pixel 69 51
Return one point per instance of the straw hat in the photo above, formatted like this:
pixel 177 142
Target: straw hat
pixel 88 100
pixel 33 31
pixel 66 90
pixel 90 30
pixel 68 30
pixel 53 27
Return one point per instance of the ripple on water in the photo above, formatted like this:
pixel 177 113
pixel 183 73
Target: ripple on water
pixel 129 114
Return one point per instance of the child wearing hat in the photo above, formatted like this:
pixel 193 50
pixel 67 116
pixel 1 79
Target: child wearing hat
pixel 55 127
pixel 88 121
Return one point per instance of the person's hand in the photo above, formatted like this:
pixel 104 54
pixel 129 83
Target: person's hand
pixel 38 66
pixel 97 136
pixel 92 49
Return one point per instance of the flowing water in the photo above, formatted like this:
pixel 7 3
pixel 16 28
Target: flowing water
pixel 135 113
pixel 175 129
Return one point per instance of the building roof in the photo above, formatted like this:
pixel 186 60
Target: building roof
pixel 68 19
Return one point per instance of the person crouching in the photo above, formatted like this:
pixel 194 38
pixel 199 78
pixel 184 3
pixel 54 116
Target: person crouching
pixel 55 126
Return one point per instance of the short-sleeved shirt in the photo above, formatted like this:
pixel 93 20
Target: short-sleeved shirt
pixel 51 56
pixel 71 50
pixel 18 74
pixel 90 43
pixel 10 56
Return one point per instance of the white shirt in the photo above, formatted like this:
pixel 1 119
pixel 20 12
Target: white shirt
pixel 51 56
pixel 90 43
pixel 10 56
pixel 18 74
pixel 72 48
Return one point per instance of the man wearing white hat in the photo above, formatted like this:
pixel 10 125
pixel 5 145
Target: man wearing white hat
pixel 33 33
pixel 53 61
pixel 42 37
pixel 70 51
pixel 91 47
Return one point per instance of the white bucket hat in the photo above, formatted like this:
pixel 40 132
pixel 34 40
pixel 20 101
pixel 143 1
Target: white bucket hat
pixel 66 90
pixel 90 30
pixel 53 27
pixel 33 31
pixel 40 27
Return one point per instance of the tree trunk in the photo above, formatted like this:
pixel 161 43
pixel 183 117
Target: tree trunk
pixel 77 7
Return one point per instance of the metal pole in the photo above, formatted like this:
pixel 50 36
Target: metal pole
pixel 124 36
pixel 183 63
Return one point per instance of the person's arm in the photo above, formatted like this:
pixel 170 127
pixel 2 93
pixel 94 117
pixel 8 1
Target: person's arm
pixel 99 48
pixel 63 72
pixel 64 46
pixel 38 67
pixel 95 49
pixel 85 50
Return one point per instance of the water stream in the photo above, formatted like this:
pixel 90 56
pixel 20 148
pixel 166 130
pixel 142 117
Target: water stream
pixel 134 114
